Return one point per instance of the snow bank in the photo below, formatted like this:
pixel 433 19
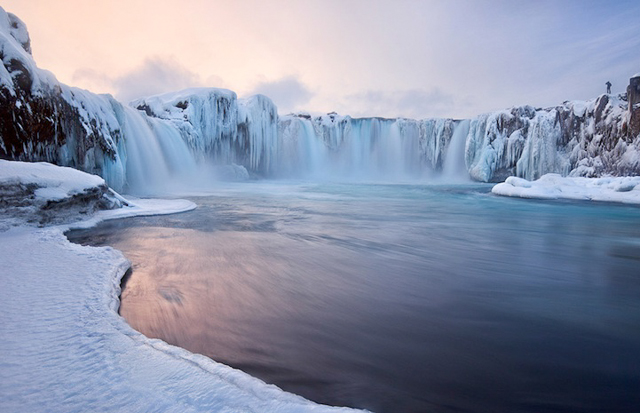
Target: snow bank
pixel 65 348
pixel 42 193
pixel 53 182
pixel 554 186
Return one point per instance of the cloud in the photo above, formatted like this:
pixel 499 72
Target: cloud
pixel 409 103
pixel 288 93
pixel 155 75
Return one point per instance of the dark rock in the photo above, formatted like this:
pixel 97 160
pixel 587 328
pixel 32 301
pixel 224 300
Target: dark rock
pixel 633 98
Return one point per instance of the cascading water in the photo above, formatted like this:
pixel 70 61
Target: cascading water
pixel 156 154
pixel 343 148
pixel 454 168
pixel 194 137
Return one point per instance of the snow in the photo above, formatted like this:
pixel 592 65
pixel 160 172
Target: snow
pixel 205 117
pixel 54 182
pixel 553 186
pixel 636 75
pixel 14 41
pixel 65 348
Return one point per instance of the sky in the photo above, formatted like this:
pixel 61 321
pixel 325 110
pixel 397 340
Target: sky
pixel 401 58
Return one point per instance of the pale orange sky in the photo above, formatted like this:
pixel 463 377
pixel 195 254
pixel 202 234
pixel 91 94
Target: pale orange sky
pixel 364 58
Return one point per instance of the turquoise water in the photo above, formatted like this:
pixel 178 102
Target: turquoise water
pixel 397 298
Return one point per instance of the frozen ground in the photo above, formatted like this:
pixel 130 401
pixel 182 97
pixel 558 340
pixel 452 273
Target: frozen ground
pixel 65 348
pixel 553 186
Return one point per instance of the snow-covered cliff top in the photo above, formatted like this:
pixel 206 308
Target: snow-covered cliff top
pixel 165 101
pixel 15 49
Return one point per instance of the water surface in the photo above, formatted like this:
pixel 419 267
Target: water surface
pixel 397 298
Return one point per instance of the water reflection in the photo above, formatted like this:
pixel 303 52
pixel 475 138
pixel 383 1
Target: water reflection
pixel 398 298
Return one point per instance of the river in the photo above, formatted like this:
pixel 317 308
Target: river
pixel 397 298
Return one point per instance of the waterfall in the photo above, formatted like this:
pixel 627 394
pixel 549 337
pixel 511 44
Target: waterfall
pixel 188 139
pixel 454 168
pixel 343 148
pixel 156 154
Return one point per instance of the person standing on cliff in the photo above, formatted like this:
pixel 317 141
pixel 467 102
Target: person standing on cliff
pixel 608 87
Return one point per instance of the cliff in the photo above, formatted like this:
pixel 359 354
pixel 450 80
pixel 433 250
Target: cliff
pixel 43 120
pixel 186 135
pixel 590 139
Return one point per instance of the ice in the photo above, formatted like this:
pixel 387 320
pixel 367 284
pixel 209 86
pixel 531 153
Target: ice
pixel 65 348
pixel 205 117
pixel 218 128
pixel 258 134
pixel 554 186
pixel 578 138
pixel 485 145
pixel 540 153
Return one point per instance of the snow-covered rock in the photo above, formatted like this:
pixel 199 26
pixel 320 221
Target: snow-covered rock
pixel 553 186
pixel 43 193
pixel 43 120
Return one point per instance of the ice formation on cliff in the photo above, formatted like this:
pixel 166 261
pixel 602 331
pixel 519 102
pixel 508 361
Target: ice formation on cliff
pixel 579 138
pixel 188 135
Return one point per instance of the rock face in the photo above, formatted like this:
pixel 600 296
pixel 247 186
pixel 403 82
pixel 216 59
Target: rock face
pixel 42 120
pixel 633 95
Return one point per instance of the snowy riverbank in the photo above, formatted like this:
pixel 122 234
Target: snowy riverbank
pixel 553 186
pixel 64 347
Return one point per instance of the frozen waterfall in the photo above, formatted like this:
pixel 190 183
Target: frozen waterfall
pixel 185 137
pixel 196 136
pixel 344 148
